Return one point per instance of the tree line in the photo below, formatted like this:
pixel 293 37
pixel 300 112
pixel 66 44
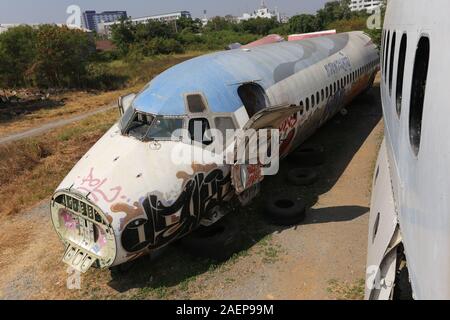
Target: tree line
pixel 52 56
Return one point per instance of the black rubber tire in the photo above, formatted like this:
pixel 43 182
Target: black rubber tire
pixel 121 270
pixel 309 156
pixel 302 177
pixel 217 242
pixel 285 211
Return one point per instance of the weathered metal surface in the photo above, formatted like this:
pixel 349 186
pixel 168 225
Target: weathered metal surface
pixel 421 184
pixel 219 74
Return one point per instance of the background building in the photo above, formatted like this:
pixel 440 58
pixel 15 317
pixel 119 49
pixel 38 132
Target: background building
pixel 262 12
pixel 91 19
pixel 368 5
pixel 105 28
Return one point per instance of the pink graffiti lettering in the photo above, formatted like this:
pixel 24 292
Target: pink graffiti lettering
pixel 95 187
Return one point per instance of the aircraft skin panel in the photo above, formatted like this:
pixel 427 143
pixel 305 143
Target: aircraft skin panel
pixel 218 75
pixel 420 182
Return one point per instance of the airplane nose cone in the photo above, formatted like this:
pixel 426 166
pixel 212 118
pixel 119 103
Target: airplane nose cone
pixel 143 192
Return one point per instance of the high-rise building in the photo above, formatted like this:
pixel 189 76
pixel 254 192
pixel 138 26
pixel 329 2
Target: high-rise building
pixel 368 5
pixel 92 19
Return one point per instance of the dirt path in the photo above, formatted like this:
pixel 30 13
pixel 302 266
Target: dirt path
pixel 323 258
pixel 52 125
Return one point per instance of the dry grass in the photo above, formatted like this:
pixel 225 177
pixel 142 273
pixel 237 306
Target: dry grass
pixel 347 291
pixel 31 169
pixel 68 104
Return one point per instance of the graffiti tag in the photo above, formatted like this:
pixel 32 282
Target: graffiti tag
pixel 96 188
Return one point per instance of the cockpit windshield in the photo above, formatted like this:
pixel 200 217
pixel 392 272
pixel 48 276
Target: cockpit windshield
pixel 148 127
pixel 163 128
pixel 140 125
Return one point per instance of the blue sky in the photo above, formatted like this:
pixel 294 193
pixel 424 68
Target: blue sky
pixel 32 11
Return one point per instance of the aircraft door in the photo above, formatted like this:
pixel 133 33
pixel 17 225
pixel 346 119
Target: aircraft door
pixel 247 174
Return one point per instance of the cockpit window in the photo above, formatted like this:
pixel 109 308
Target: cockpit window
pixel 147 127
pixel 126 118
pixel 195 103
pixel 140 125
pixel 163 128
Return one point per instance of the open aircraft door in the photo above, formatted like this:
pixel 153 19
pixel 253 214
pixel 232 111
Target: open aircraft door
pixel 246 175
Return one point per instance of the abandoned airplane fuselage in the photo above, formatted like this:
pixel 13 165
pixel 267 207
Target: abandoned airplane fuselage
pixel 127 197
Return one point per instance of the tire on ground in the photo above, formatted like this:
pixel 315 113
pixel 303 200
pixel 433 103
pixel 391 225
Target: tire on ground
pixel 302 177
pixel 285 211
pixel 217 242
pixel 309 156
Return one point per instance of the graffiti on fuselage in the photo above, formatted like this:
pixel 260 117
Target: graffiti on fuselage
pixel 167 222
pixel 341 65
pixel 287 133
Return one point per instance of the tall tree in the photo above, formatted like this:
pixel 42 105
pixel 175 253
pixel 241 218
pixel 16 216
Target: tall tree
pixel 303 23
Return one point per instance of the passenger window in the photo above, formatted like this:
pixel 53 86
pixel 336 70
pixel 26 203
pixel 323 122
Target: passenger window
pixel 195 103
pixel 334 87
pixel 322 94
pixel 199 131
pixel 318 97
pixel 301 107
pixel 418 89
pixel 391 62
pixel 326 92
pixel 385 56
pixel 400 74
pixel 313 101
pixel 307 104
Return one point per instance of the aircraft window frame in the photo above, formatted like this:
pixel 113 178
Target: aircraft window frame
pixel 403 49
pixel 203 98
pixel 418 91
pixel 391 61
pixel 313 101
pixel 209 127
pixel 139 124
pixel 307 104
pixel 322 92
pixel 302 107
pixel 128 116
pixel 318 97
pixel 326 92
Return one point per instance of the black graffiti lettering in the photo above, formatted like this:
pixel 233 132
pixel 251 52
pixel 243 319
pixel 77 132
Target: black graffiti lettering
pixel 165 223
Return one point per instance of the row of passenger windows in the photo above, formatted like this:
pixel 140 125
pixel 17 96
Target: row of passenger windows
pixel 419 78
pixel 330 90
